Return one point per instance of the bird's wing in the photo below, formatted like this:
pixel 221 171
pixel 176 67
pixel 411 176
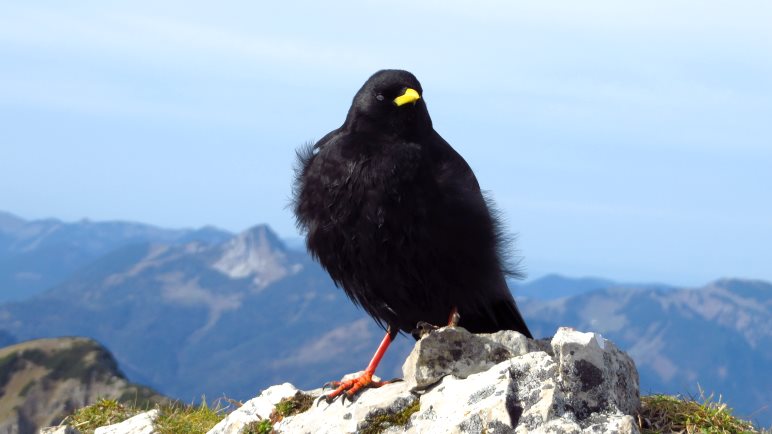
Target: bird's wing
pixel 326 139
pixel 475 225
pixel 455 179
pixel 476 213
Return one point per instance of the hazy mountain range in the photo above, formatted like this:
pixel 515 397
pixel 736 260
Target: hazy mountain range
pixel 35 255
pixel 197 312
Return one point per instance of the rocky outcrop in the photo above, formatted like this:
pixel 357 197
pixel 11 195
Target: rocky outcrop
pixel 455 381
pixel 458 382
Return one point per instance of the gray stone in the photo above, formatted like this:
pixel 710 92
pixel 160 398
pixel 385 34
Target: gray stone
pixel 517 344
pixel 594 374
pixel 455 351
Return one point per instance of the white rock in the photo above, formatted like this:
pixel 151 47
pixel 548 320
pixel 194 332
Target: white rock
pixel 139 424
pixel 595 374
pixel 476 404
pixel 516 343
pixel 253 410
pixel 349 417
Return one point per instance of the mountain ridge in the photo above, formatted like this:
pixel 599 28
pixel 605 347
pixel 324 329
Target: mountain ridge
pixel 44 380
pixel 38 254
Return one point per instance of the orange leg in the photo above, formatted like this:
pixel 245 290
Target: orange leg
pixel 351 387
pixel 454 317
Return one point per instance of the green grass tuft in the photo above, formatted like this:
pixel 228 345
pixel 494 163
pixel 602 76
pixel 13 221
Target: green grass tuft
pixel 258 427
pixel 665 414
pixel 173 417
pixel 104 412
pixel 189 419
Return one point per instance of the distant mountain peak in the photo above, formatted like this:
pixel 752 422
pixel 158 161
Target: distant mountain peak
pixel 257 252
pixel 552 286
pixel 10 222
pixel 263 233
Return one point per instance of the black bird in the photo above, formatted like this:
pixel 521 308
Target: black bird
pixel 397 218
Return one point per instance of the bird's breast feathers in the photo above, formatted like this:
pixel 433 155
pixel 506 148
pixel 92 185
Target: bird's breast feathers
pixel 356 186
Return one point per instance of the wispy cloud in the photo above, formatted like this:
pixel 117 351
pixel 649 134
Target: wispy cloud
pixel 156 38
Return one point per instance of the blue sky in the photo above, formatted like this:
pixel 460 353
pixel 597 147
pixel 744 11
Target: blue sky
pixel 629 140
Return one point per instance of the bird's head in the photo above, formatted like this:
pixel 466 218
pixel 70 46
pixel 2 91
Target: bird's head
pixel 390 102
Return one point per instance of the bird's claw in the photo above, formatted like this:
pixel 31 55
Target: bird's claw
pixel 326 398
pixel 347 390
pixel 422 329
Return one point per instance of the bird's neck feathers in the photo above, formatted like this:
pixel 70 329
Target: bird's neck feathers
pixel 411 125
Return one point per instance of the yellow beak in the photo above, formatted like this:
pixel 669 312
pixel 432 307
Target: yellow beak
pixel 409 96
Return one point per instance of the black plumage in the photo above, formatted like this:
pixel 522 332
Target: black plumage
pixel 397 218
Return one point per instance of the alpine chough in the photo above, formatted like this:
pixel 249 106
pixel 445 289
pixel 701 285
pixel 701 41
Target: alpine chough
pixel 397 218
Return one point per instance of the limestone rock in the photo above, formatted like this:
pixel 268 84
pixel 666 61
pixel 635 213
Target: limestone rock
pixel 253 410
pixel 349 417
pixel 455 351
pixel 594 374
pixel 139 424
pixel 479 403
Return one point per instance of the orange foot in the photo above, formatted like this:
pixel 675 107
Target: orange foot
pixel 349 388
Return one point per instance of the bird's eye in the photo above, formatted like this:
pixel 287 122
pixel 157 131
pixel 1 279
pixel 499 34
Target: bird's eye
pixel 379 97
